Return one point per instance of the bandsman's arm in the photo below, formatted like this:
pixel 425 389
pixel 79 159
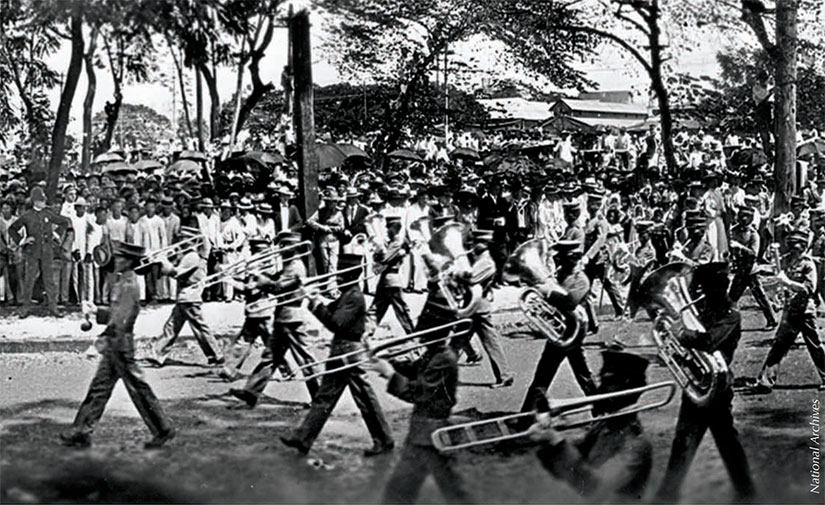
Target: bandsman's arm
pixel 337 317
pixel 419 388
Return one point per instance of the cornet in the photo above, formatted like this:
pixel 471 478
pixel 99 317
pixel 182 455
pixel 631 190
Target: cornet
pixel 385 350
pixel 499 429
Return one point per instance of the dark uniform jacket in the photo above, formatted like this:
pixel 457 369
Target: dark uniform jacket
pixel 390 260
pixel 294 220
pixel 345 317
pixel 802 270
pixel 122 314
pixel 289 279
pixel 42 225
pixel 430 384
pixel 611 464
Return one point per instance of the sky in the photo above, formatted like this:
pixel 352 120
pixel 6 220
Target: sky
pixel 609 70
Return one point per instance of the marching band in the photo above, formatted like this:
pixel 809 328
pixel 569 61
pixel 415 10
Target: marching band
pixel 681 279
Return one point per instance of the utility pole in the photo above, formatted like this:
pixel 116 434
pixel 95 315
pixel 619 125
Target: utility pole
pixel 446 98
pixel 304 115
pixel 785 106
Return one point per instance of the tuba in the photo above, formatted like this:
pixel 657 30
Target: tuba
pixel 665 293
pixel 527 266
pixel 448 242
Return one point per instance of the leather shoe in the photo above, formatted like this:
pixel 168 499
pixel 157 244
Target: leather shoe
pixel 250 399
pixel 160 439
pixel 295 444
pixel 74 439
pixel 505 382
pixel 377 449
pixel 215 362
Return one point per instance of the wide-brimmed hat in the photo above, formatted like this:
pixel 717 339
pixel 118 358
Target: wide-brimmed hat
pixel 264 208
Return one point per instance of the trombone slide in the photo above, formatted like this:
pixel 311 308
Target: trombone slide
pixel 384 350
pixel 509 427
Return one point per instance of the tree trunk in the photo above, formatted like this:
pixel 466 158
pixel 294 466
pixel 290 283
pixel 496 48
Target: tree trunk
pixel 214 102
pixel 661 91
pixel 199 108
pixel 179 70
pixel 259 91
pixel 88 103
pixel 61 121
pixel 785 103
pixel 236 106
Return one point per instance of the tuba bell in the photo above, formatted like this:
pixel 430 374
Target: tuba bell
pixel 664 293
pixel 453 277
pixel 527 267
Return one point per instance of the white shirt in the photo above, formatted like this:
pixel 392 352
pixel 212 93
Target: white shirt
pixel 156 235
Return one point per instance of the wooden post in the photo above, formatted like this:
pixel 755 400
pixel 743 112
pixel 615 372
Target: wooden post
pixel 785 106
pixel 304 116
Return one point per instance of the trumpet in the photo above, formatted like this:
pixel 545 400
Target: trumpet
pixel 564 412
pixel 300 293
pixel 178 248
pixel 385 350
pixel 260 263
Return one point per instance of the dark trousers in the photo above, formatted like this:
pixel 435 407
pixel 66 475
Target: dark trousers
pixel 44 269
pixel 691 425
pixel 332 387
pixel 546 369
pixel 790 326
pixel 737 288
pixel 237 348
pixel 416 463
pixel 215 292
pixel 151 279
pixel 114 366
pixel 386 297
pixel 285 337
pixel 597 271
pixel 182 313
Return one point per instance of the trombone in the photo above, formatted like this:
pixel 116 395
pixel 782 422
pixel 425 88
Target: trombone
pixel 300 293
pixel 385 350
pixel 499 429
pixel 178 248
pixel 259 263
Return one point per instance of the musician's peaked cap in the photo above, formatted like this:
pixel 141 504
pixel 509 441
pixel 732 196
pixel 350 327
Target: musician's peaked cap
pixel 127 250
pixel 625 364
pixel 288 237
pixel 571 206
pixel 568 247
pixel 349 261
pixel 392 220
pixel 440 221
pixel 482 235
pixel 747 210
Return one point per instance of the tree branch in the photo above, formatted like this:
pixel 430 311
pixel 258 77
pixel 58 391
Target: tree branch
pixel 609 36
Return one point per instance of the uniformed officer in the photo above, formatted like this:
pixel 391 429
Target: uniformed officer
pixel 287 327
pixel 346 318
pixel 798 276
pixel 723 330
pixel 565 292
pixel 389 292
pixel 41 225
pixel 612 462
pixel 118 360
pixel 744 248
pixel 191 269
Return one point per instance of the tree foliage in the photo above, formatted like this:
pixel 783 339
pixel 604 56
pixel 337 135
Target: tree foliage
pixel 137 126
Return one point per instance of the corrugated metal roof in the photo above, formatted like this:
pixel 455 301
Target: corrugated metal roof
pixel 597 106
pixel 517 108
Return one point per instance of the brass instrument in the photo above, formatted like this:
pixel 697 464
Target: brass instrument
pixel 665 292
pixel 448 242
pixel 300 293
pixel 262 262
pixel 526 266
pixel 564 412
pixel 176 249
pixel 385 350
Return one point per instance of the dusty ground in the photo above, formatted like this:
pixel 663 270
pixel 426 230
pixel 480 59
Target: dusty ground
pixel 224 455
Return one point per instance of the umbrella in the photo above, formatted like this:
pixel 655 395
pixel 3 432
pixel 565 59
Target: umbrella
pixel 813 146
pixel 264 158
pixel 466 153
pixel 147 165
pixel 329 155
pixel 119 167
pixel 192 155
pixel 748 157
pixel 352 151
pixel 107 157
pixel 405 154
pixel 183 166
